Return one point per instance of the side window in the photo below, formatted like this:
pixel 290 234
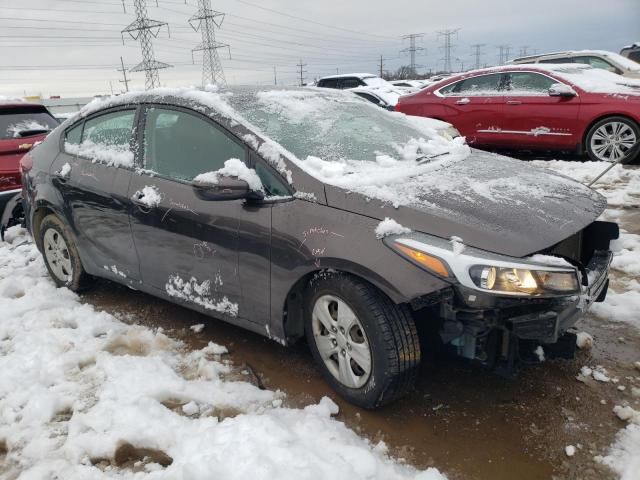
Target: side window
pixel 73 136
pixel 105 139
pixel 480 85
pixel 350 83
pixel 557 60
pixel 597 62
pixel 328 83
pixel 366 96
pixel 273 186
pixel 182 145
pixel 635 56
pixel 528 83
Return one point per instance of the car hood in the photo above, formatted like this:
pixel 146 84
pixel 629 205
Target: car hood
pixel 491 202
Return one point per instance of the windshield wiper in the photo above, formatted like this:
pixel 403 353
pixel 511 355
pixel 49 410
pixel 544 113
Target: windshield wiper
pixel 428 158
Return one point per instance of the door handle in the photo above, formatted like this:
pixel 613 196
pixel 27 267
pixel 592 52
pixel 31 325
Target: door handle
pixel 463 101
pixel 514 102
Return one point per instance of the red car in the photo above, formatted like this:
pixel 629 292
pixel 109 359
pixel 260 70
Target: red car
pixel 538 107
pixel 22 124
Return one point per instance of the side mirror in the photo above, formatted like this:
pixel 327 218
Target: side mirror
pixel 561 90
pixel 227 188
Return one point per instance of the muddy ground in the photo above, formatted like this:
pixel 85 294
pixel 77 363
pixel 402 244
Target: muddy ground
pixel 467 422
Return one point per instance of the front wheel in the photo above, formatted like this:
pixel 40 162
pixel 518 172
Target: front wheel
pixel 366 346
pixel 613 139
pixel 61 255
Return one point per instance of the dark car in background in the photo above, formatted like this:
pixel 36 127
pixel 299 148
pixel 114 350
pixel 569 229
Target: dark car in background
pixel 22 125
pixel 313 213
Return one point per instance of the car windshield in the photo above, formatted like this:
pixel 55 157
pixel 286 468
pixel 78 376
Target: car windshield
pixel 335 126
pixel 25 121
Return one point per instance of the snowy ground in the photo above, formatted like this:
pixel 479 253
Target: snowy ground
pixel 621 186
pixel 83 395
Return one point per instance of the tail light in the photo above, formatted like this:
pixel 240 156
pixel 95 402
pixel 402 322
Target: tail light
pixel 26 163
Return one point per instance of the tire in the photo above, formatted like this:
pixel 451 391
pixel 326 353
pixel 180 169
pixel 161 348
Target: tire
pixel 61 254
pixel 611 138
pixel 344 318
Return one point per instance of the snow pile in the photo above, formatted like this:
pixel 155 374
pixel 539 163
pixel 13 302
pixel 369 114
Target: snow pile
pixel 233 168
pixel 65 170
pixel 83 395
pixel 112 155
pixel 584 341
pixel 624 454
pixel 149 196
pixel 199 293
pixel 389 226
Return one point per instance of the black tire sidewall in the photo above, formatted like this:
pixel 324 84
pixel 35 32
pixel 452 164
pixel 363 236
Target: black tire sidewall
pixel 635 152
pixel 349 291
pixel 78 276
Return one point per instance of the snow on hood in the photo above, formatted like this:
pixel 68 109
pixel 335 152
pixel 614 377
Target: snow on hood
pixel 494 203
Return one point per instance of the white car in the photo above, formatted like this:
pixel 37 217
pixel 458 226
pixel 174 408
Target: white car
pixel 632 52
pixel 352 80
pixel 602 59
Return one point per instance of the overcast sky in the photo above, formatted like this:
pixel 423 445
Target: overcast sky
pixel 73 47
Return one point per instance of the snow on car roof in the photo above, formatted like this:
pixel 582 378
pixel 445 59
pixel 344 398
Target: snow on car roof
pixel 348 75
pixel 585 77
pixel 616 57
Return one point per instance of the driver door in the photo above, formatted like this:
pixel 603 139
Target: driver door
pixel 187 245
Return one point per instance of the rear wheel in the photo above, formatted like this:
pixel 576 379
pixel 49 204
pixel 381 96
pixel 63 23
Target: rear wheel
pixel 366 346
pixel 61 255
pixel 613 139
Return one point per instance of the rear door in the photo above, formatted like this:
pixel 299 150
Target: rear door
pixel 533 118
pixel 187 245
pixel 92 173
pixel 475 107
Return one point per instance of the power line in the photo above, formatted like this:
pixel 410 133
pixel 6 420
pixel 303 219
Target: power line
pixel 124 75
pixel 447 46
pixel 504 54
pixel 412 49
pixel 142 29
pixel 206 20
pixel 477 52
pixel 301 71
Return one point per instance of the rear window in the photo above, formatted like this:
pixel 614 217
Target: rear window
pixel 19 122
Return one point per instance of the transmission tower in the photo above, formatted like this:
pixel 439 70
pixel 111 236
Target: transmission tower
pixel 301 71
pixel 477 52
pixel 143 29
pixel 206 20
pixel 523 50
pixel 448 46
pixel 413 49
pixel 504 53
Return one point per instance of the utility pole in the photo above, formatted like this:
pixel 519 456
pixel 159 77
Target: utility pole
pixel 206 20
pixel 124 74
pixel 275 76
pixel 448 46
pixel 477 52
pixel 111 87
pixel 504 53
pixel 412 50
pixel 381 65
pixel 143 29
pixel 301 71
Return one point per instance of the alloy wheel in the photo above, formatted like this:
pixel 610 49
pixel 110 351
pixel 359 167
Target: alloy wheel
pixel 341 341
pixel 612 141
pixel 57 255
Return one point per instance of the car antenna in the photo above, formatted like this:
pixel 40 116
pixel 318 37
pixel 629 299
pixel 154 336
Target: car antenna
pixel 605 171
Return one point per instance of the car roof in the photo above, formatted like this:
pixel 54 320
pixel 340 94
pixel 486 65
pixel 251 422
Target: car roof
pixel 568 53
pixel 349 75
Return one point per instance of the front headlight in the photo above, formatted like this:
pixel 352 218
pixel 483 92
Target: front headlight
pixel 485 271
pixel 520 280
